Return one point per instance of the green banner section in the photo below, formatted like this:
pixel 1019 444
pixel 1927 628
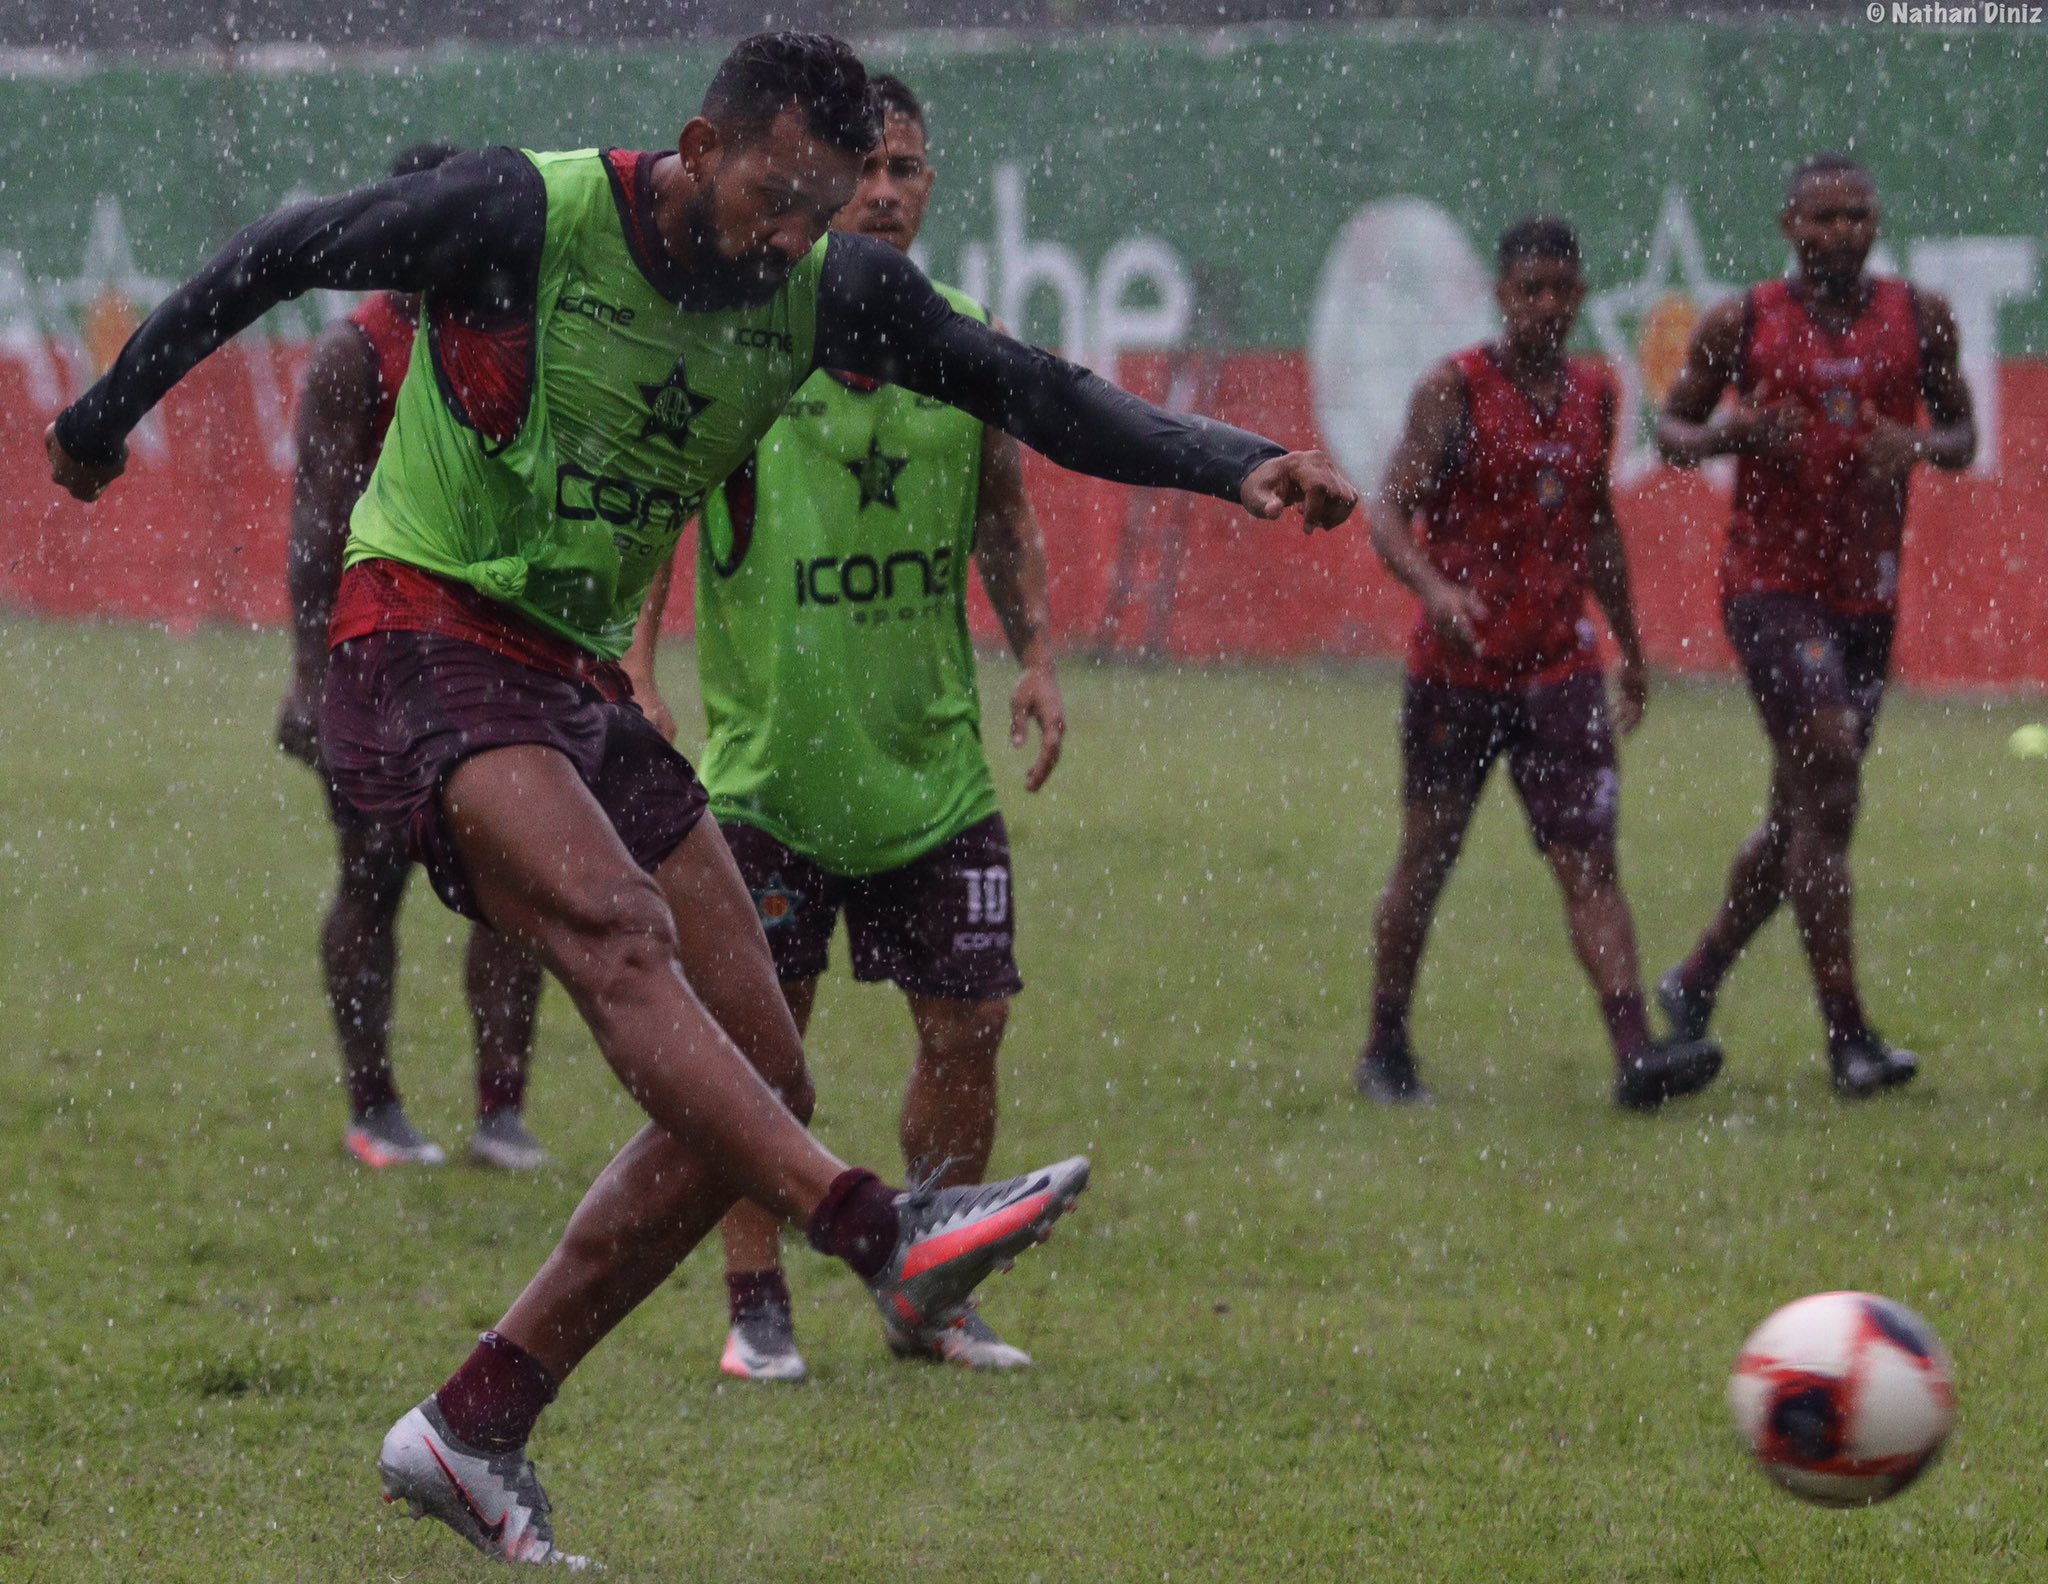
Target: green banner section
pixel 1101 192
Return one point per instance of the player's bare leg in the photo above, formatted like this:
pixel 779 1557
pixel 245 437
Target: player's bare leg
pixel 761 1345
pixel 359 954
pixel 1647 1071
pixel 548 868
pixel 948 1130
pixel 503 980
pixel 1432 836
pixel 1756 889
pixel 1827 792
pixel 675 980
pixel 948 1126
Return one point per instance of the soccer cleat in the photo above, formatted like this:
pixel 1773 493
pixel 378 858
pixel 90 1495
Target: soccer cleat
pixel 1387 1075
pixel 1864 1067
pixel 966 1339
pixel 1663 1070
pixel 492 1499
pixel 503 1139
pixel 1688 1013
pixel 384 1136
pixel 950 1239
pixel 761 1346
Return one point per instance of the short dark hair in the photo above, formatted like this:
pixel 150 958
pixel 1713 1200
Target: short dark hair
pixel 1830 164
pixel 893 97
pixel 419 157
pixel 817 74
pixel 1537 237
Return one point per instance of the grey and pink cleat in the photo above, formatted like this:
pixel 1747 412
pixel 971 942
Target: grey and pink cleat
pixel 964 1339
pixel 952 1239
pixel 492 1499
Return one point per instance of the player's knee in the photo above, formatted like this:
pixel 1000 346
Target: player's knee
pixel 609 940
pixel 1586 866
pixel 961 1044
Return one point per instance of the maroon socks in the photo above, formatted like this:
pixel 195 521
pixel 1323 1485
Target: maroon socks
pixel 751 1292
pixel 1627 1025
pixel 1842 1012
pixel 1700 975
pixel 856 1222
pixel 370 1089
pixel 499 1089
pixel 491 1403
pixel 1389 1025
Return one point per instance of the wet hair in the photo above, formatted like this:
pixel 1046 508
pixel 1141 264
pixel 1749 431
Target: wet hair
pixel 893 97
pixel 1824 165
pixel 422 157
pixel 1537 237
pixel 817 74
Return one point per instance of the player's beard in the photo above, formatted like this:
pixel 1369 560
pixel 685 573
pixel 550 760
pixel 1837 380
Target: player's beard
pixel 745 280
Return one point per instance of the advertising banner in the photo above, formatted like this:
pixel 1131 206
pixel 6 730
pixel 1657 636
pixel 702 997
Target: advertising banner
pixel 1285 229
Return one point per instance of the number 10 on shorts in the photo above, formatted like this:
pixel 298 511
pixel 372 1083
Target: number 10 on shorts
pixel 988 895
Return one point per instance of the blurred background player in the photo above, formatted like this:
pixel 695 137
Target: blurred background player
pixel 845 761
pixel 345 409
pixel 1505 461
pixel 1829 370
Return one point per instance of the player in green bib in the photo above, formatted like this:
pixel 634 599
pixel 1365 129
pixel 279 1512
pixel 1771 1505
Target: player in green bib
pixel 604 336
pixel 844 755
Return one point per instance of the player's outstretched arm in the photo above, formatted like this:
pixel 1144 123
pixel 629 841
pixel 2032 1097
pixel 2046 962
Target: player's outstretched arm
pixel 337 446
pixel 1009 551
pixel 1435 414
pixel 473 225
pixel 879 316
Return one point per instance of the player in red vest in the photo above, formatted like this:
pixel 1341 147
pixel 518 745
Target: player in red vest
pixel 351 387
pixel 1505 465
pixel 1830 369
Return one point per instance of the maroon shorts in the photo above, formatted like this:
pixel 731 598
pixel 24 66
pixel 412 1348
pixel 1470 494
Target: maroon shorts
pixel 1803 659
pixel 942 925
pixel 403 709
pixel 1560 753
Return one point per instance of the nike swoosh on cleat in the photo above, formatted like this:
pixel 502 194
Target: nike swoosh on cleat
pixel 493 1532
pixel 937 1251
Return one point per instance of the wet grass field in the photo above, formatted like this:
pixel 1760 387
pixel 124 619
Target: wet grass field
pixel 1287 1335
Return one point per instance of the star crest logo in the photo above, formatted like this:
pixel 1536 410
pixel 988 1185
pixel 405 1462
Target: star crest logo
pixel 776 902
pixel 876 474
pixel 672 407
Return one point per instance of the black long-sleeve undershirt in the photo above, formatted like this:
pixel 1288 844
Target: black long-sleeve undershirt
pixel 471 231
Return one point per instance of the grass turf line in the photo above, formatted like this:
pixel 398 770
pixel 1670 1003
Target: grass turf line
pixel 1286 1336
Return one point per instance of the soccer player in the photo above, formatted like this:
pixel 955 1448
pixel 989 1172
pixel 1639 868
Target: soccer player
pixel 351 388
pixel 605 336
pixel 1505 464
pixel 845 763
pixel 1829 368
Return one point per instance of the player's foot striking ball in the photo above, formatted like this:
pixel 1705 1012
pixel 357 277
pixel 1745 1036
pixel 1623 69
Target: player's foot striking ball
pixel 1830 368
pixel 473 699
pixel 1503 469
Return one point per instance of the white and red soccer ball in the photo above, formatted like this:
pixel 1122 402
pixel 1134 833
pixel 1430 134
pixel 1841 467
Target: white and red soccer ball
pixel 1844 1397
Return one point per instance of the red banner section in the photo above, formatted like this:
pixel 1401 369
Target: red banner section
pixel 196 531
